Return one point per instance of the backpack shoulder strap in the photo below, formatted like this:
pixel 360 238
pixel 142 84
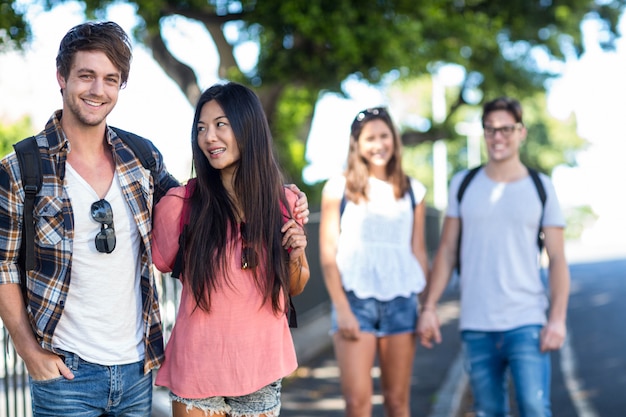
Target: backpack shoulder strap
pixel 344 199
pixel 459 196
pixel 342 205
pixel 541 191
pixel 29 159
pixel 465 182
pixel 411 194
pixel 140 148
pixel 534 175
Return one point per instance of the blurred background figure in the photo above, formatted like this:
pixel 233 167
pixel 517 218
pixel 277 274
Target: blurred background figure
pixel 374 262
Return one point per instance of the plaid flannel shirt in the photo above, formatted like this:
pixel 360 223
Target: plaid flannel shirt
pixel 48 284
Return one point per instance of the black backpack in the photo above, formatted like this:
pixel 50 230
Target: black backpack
pixel 29 158
pixel 541 191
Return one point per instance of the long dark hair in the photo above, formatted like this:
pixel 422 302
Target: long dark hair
pixel 357 173
pixel 258 185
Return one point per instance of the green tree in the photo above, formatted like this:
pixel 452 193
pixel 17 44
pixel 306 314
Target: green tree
pixel 311 47
pixel 13 132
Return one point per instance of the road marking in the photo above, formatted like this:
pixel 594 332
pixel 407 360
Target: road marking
pixel 572 383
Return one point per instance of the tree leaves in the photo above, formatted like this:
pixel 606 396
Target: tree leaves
pixel 313 46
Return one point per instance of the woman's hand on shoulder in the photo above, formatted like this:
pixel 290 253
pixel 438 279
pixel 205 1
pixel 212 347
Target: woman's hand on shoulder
pixel 301 210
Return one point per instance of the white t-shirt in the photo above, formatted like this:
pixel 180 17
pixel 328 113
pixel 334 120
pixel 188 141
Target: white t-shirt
pixel 501 287
pixel 101 320
pixel 374 253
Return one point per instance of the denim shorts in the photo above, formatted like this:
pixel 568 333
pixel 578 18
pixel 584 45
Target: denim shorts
pixel 383 318
pixel 264 401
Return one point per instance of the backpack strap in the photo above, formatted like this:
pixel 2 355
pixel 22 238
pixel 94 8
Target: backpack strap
pixel 27 152
pixel 342 205
pixel 465 182
pixel 534 175
pixel 541 191
pixel 459 196
pixel 139 146
pixel 291 314
pixel 411 194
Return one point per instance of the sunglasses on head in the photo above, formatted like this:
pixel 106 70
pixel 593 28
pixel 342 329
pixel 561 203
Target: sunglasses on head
pixel 369 114
pixel 374 111
pixel 102 212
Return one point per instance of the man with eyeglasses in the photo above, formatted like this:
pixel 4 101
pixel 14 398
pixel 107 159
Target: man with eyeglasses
pixel 88 327
pixel 504 301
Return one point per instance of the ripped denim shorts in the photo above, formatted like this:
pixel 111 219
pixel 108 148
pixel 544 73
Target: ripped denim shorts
pixel 265 401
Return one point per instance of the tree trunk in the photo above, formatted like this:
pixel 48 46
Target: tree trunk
pixel 181 73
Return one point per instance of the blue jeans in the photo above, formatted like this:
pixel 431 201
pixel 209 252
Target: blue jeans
pixel 488 357
pixel 96 390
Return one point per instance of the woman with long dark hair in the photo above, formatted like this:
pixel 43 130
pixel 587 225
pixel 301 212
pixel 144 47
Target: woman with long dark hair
pixel 243 257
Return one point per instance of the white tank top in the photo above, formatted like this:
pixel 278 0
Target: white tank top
pixel 374 252
pixel 101 321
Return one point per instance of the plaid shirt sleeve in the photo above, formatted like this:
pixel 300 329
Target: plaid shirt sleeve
pixel 11 209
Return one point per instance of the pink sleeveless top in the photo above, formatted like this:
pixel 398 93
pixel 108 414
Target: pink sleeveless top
pixel 236 349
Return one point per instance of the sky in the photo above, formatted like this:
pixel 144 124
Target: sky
pixel 593 87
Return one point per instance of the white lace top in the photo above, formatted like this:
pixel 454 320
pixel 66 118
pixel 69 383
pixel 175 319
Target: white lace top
pixel 374 254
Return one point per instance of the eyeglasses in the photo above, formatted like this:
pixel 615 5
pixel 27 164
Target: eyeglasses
pixel 102 212
pixel 505 130
pixel 249 257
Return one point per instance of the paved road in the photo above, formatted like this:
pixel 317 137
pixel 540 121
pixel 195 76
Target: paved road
pixel 589 373
pixel 594 361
